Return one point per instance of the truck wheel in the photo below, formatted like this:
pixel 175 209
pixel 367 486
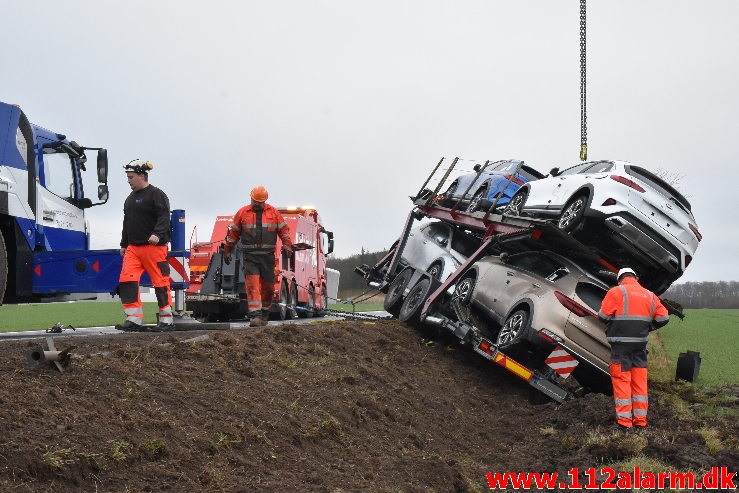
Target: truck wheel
pixel 282 311
pixel 292 302
pixel 410 311
pixel 394 296
pixel 3 267
pixel 324 302
pixel 308 310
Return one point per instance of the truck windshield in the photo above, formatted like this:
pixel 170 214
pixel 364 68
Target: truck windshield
pixel 58 177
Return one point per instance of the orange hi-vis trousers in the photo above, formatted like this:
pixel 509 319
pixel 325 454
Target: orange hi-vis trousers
pixel 153 260
pixel 259 293
pixel 630 395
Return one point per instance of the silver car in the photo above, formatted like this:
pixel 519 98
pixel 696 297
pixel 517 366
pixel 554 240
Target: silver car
pixel 536 297
pixel 438 248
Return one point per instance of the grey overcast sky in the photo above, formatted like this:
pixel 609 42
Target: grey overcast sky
pixel 347 105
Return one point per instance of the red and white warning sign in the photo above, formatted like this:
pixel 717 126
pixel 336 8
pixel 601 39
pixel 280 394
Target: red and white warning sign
pixel 561 362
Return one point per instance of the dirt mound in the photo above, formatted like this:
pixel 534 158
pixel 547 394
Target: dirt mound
pixel 332 406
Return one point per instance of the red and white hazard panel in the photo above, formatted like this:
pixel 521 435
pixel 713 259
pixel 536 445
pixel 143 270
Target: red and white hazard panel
pixel 177 272
pixel 561 362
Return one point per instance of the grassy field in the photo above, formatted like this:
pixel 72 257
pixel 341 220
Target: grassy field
pixel 95 314
pixel 713 333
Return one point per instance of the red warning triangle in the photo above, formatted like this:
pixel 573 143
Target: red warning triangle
pixel 37 270
pixel 96 266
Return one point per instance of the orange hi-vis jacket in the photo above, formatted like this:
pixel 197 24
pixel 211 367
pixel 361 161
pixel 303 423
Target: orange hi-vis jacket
pixel 631 312
pixel 258 233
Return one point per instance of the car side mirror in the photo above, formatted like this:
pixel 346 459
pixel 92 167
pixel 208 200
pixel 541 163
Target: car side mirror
pixel 554 171
pixel 477 167
pixel 504 257
pixel 441 241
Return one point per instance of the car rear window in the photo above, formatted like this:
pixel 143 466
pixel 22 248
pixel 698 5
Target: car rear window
pixel 659 184
pixel 530 173
pixel 464 244
pixel 591 294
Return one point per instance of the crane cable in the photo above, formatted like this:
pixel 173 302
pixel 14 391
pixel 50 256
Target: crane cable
pixel 583 111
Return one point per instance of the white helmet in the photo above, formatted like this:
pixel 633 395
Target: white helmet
pixel 624 271
pixel 139 166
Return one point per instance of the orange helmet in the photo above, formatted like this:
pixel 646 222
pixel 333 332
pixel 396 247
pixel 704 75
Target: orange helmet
pixel 259 194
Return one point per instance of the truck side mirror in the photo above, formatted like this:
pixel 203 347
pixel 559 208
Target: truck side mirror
pixel 554 171
pixel 103 193
pixel 102 168
pixel 330 242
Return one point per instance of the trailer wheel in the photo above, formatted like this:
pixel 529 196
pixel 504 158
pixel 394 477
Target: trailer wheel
pixel 282 311
pixel 514 329
pixel 3 267
pixel 410 311
pixel 394 296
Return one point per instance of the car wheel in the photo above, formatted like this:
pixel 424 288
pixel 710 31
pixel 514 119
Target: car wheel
pixel 515 206
pixel 514 329
pixel 462 297
pixel 435 271
pixel 394 296
pixel 474 205
pixel 410 311
pixel 572 214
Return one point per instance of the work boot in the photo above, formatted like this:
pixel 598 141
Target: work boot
pixel 265 317
pixel 164 327
pixel 255 319
pixel 128 326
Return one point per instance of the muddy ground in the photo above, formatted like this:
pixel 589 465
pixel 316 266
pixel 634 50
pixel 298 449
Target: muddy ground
pixel 325 407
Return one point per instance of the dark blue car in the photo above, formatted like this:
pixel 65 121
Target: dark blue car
pixel 498 181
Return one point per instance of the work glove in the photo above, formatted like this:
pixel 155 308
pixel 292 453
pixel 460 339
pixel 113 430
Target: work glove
pixel 287 249
pixel 227 258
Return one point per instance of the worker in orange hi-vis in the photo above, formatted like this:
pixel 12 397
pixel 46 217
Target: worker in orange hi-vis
pixel 631 313
pixel 146 232
pixel 258 226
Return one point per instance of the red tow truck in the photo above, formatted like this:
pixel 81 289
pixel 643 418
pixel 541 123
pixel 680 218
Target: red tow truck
pixel 217 293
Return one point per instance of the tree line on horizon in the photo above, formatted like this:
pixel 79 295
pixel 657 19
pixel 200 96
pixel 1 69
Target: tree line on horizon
pixel 703 294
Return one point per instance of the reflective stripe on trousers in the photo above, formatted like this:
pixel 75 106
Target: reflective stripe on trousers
pixel 629 395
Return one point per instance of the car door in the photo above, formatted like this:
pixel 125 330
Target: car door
pixel 427 244
pixel 588 332
pixel 508 282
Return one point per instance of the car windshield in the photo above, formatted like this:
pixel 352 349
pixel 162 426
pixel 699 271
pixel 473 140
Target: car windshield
pixel 591 294
pixel 659 184
pixel 541 265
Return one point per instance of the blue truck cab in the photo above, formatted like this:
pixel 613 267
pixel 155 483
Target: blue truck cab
pixel 44 235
